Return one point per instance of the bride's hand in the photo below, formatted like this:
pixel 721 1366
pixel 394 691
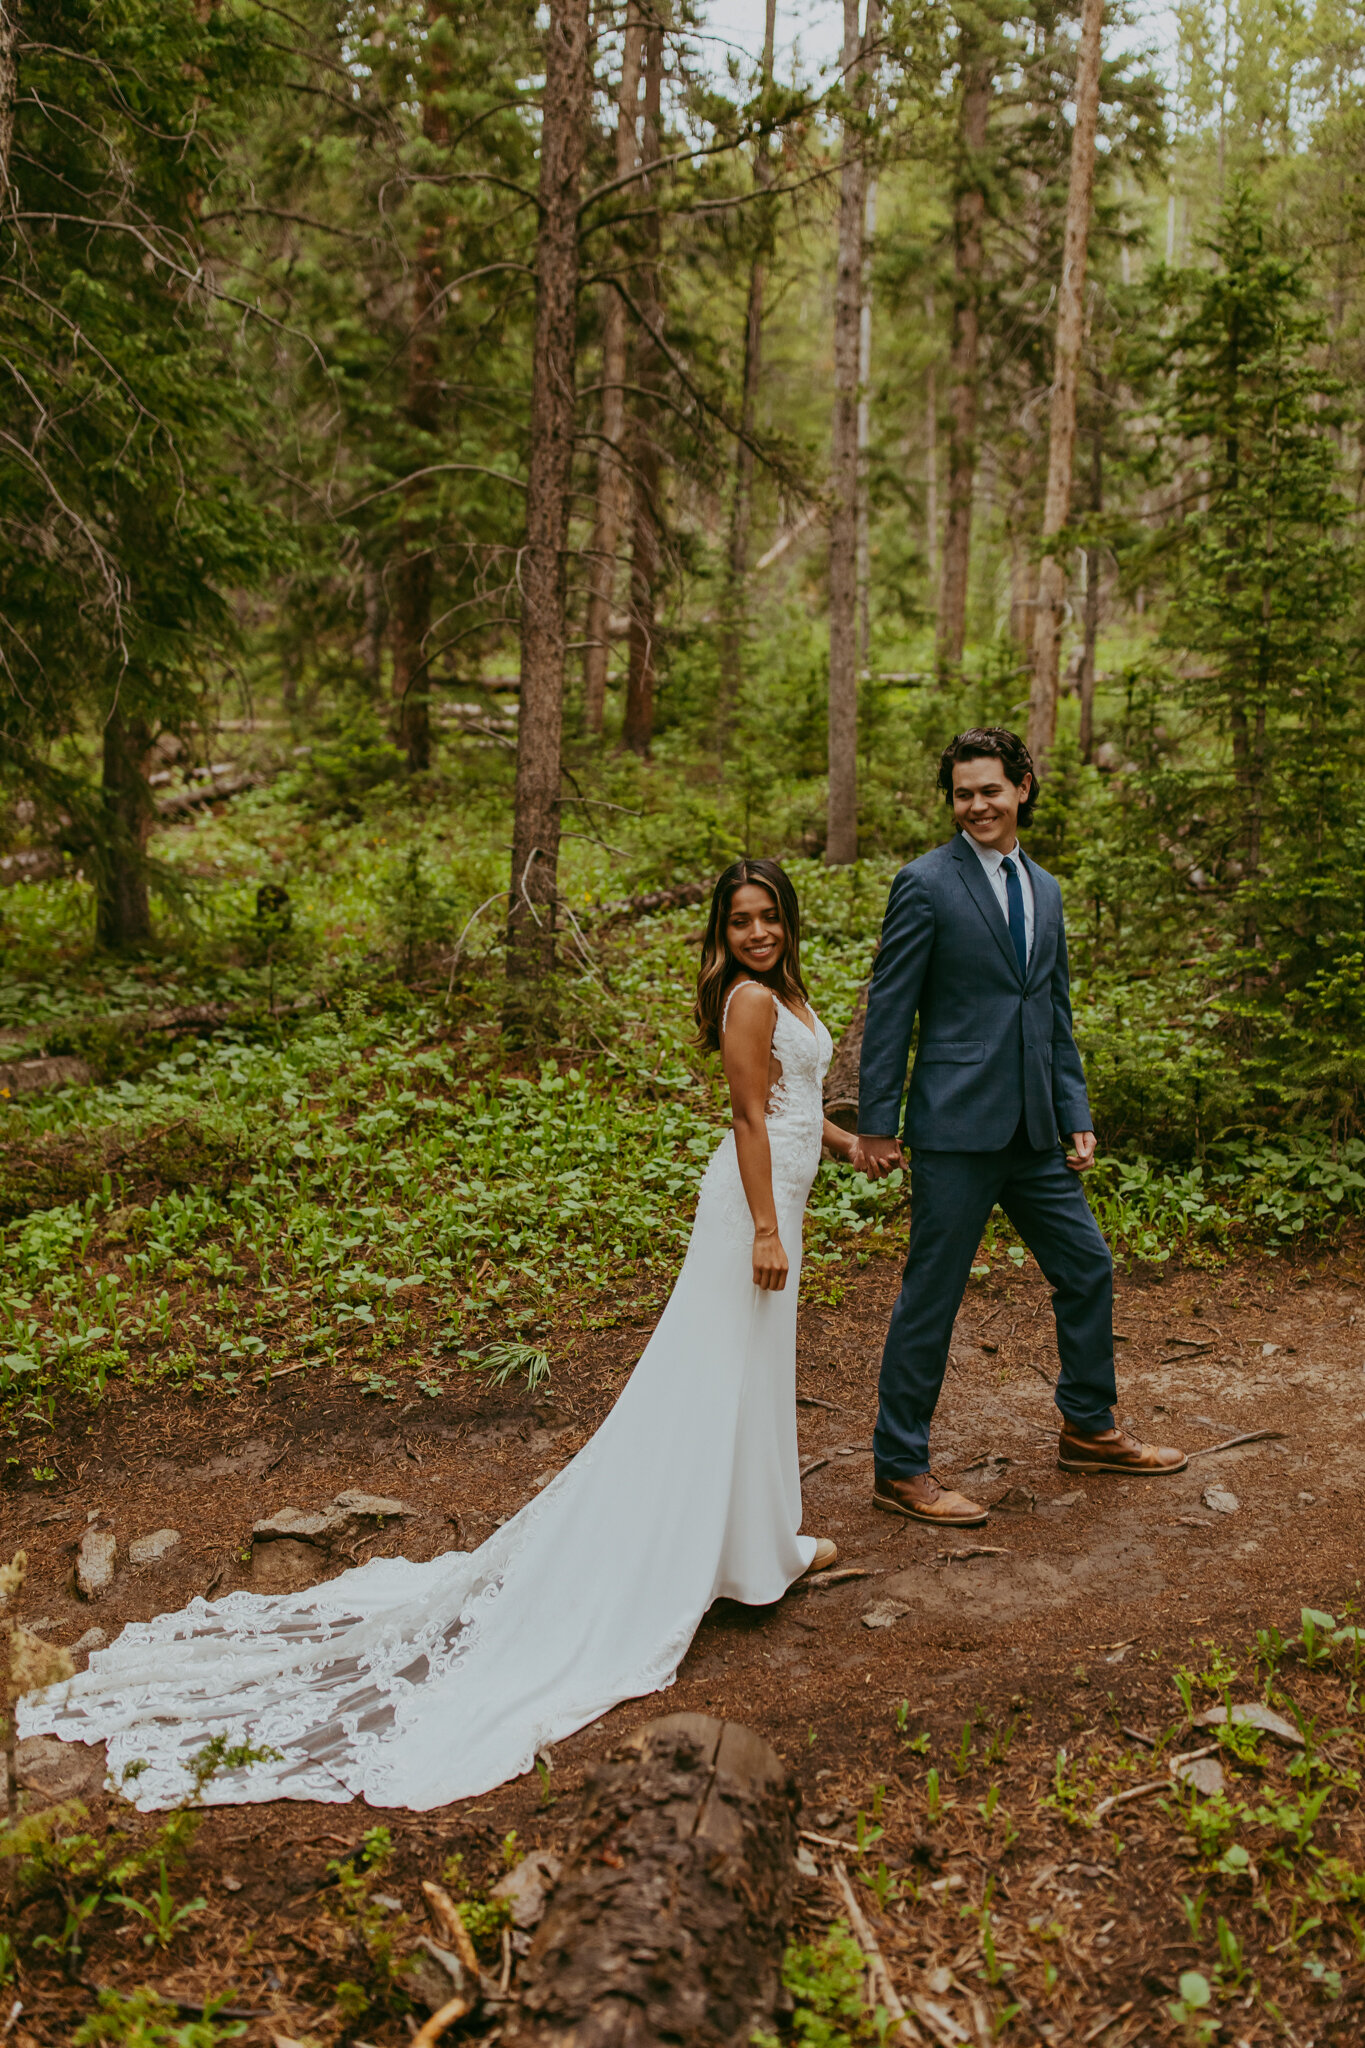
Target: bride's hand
pixel 770 1261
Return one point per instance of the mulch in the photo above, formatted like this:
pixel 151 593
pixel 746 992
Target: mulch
pixel 1062 1640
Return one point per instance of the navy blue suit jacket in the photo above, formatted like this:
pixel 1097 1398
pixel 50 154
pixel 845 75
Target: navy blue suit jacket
pixel 994 1045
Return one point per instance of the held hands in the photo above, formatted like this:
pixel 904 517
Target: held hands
pixel 1081 1157
pixel 875 1157
pixel 770 1261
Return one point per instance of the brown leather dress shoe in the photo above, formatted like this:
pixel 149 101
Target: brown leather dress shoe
pixel 1115 1451
pixel 922 1499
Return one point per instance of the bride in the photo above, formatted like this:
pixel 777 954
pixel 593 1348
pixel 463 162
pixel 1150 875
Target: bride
pixel 416 1684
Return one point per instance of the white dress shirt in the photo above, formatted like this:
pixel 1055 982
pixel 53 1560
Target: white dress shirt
pixel 993 862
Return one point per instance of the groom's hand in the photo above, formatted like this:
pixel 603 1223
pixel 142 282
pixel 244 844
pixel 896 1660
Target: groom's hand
pixel 1081 1157
pixel 875 1157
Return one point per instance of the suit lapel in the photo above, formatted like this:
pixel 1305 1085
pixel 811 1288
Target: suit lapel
pixel 979 889
pixel 1044 915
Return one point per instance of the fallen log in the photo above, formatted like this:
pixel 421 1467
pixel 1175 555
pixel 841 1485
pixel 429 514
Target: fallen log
pixel 649 904
pixel 670 1920
pixel 841 1082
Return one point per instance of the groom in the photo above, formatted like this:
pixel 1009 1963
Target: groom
pixel 973 941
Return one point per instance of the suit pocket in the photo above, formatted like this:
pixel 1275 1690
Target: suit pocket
pixel 962 1052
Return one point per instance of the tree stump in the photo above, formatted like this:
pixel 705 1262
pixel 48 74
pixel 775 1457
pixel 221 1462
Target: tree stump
pixel 670 1920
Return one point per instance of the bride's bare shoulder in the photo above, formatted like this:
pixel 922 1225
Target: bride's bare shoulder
pixel 749 1005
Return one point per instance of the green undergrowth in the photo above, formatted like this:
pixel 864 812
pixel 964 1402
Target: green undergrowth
pixel 339 1159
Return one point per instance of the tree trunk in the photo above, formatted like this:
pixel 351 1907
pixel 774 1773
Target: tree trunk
pixel 9 88
pixel 865 431
pixel 1093 568
pixel 412 575
pixel 370 646
pixel 638 728
pixel 930 455
pixel 535 828
pixel 411 622
pixel 742 501
pixel 669 1920
pixel 612 481
pixel 841 841
pixel 1050 613
pixel 123 917
pixel 969 211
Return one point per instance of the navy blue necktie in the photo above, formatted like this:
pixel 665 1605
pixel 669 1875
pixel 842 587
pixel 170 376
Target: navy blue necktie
pixel 1014 896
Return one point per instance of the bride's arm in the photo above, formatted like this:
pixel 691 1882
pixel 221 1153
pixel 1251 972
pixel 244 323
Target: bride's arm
pixel 838 1142
pixel 747 1052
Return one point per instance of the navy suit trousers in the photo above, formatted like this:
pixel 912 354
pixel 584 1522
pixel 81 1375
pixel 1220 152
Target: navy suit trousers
pixel 952 1194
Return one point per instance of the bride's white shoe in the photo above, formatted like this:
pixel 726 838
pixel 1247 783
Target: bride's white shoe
pixel 826 1554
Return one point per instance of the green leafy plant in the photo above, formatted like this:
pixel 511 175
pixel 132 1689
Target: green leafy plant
pixel 1196 1996
pixel 1316 1635
pixel 502 1362
pixel 370 1931
pixel 163 1916
pixel 824 1980
pixel 142 2019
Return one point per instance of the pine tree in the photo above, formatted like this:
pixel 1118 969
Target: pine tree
pixel 124 522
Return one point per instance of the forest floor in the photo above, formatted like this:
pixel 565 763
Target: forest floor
pixel 953 1720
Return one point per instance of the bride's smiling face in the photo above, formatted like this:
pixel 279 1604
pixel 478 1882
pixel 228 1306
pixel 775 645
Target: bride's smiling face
pixel 753 929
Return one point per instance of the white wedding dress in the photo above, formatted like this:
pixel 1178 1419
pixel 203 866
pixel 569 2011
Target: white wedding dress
pixel 415 1684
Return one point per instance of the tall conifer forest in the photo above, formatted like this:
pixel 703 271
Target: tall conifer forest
pixel 469 472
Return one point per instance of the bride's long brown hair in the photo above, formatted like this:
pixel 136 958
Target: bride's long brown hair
pixel 719 966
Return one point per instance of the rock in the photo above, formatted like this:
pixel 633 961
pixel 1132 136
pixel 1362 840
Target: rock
pixel 1203 1773
pixel 343 1517
pixel 1309 1499
pixel 149 1549
pixel 1251 1714
pixel 95 1561
pixel 297 1525
pixel 1219 1501
pixel 884 1614
pixel 370 1507
pixel 35 1077
pixel 1015 1500
pixel 93 1639
pixel 805 1863
pixel 50 1771
pixel 435 1975
pixel 525 1888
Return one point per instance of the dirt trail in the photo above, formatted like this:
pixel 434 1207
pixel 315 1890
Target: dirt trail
pixel 1098 1582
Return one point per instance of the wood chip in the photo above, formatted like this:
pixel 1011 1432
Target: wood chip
pixel 813 1465
pixel 814 1401
pixel 1110 2020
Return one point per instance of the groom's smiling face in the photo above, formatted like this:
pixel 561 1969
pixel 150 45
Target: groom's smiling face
pixel 986 803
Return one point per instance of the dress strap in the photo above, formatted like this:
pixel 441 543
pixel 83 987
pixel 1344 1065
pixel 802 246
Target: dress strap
pixel 734 990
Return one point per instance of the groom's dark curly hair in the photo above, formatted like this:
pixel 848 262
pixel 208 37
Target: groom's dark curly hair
pixel 991 743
